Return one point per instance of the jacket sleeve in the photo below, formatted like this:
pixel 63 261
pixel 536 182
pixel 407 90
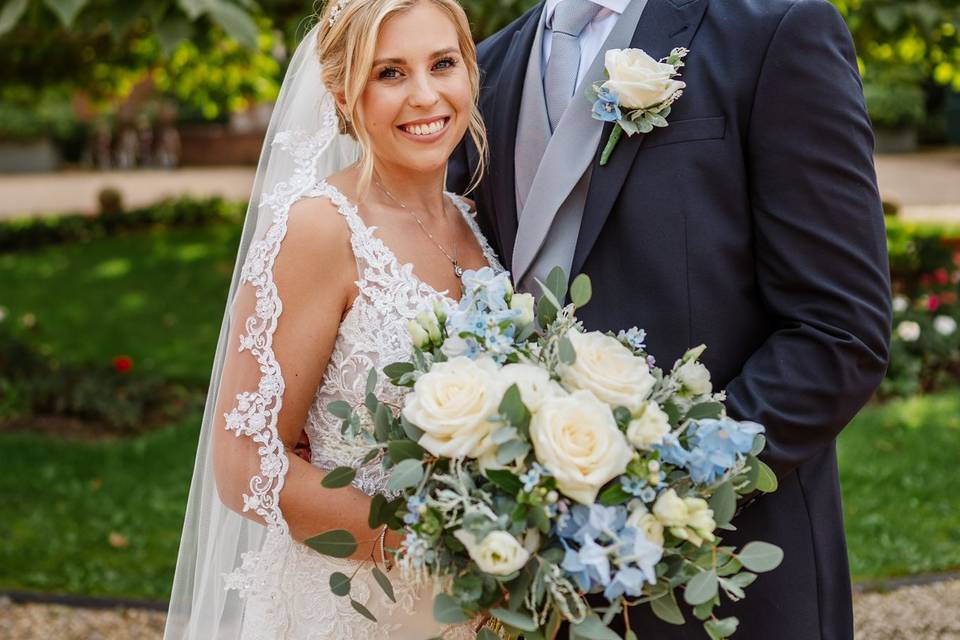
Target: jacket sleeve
pixel 820 244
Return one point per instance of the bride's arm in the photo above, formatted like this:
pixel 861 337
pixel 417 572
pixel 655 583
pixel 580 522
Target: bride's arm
pixel 314 273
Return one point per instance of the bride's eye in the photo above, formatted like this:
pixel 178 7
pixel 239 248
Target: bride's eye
pixel 445 63
pixel 388 73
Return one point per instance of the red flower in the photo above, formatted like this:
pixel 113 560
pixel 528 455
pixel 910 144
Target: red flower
pixel 123 364
pixel 941 276
pixel 925 280
pixel 933 303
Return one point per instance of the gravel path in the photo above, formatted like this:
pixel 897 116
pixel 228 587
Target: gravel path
pixel 927 612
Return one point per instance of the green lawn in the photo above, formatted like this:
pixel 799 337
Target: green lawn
pixel 65 499
pixel 900 471
pixel 158 297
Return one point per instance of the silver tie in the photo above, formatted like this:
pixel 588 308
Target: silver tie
pixel 560 78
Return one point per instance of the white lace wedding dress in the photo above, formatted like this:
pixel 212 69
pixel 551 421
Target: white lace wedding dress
pixel 286 584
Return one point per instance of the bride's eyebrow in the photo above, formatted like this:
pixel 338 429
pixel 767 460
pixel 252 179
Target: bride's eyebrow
pixel 435 54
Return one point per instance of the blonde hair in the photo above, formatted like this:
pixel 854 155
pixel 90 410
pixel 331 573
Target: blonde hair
pixel 346 50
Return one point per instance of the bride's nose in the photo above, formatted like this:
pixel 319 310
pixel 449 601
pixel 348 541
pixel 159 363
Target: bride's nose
pixel 423 91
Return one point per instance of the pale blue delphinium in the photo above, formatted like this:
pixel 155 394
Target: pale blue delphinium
pixel 607 106
pixel 716 447
pixel 627 580
pixel 595 558
pixel 575 568
pixel 638 550
pixel 533 476
pixel 596 521
pixel 672 452
pixel 413 509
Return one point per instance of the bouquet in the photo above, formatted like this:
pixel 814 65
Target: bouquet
pixel 535 463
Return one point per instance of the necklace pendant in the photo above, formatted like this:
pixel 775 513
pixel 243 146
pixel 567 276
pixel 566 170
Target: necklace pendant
pixel 457 270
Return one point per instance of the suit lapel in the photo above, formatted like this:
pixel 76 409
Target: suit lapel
pixel 564 163
pixel 506 96
pixel 664 25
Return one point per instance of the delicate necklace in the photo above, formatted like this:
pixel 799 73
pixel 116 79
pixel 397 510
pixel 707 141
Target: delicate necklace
pixel 457 269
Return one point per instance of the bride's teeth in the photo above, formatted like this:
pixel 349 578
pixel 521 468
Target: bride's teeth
pixel 425 129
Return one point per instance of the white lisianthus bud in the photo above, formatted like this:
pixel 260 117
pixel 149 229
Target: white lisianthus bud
pixel 649 428
pixel 700 519
pixel 908 331
pixel 417 334
pixel 523 302
pixel 646 522
pixel 498 554
pixel 440 309
pixel 429 323
pixel 695 378
pixel 944 325
pixel 670 509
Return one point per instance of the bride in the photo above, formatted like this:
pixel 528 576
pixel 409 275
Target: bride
pixel 349 235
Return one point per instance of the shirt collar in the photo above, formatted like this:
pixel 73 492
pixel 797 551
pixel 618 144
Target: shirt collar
pixel 608 7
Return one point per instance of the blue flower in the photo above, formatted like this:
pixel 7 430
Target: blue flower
pixel 717 444
pixel 607 106
pixel 575 568
pixel 672 452
pixel 633 486
pixel 627 580
pixel 635 337
pixel 532 477
pixel 596 521
pixel 637 550
pixel 594 558
pixel 414 504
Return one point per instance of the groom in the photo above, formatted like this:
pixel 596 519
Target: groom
pixel 751 223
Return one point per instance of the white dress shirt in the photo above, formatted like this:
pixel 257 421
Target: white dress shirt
pixel 591 38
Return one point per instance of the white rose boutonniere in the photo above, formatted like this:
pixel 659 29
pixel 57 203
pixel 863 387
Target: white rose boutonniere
pixel 638 93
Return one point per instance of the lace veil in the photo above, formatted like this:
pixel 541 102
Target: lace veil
pixel 302 146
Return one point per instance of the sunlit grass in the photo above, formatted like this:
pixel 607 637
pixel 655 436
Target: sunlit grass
pixel 900 471
pixel 158 297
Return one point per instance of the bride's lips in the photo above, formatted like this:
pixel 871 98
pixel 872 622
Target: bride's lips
pixel 431 129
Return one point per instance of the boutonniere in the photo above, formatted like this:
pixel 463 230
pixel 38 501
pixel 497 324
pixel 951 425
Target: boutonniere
pixel 637 94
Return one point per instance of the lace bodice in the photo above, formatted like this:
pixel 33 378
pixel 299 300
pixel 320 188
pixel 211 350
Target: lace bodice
pixel 372 335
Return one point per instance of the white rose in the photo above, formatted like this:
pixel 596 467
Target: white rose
pixel 576 438
pixel 908 331
pixel 534 383
pixel 670 509
pixel 524 303
pixel 649 428
pixel 901 303
pixel 498 554
pixel 607 368
pixel 638 80
pixel 695 378
pixel 647 523
pixel 944 325
pixel 418 336
pixel 452 403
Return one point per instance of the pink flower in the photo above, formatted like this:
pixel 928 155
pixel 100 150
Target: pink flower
pixel 933 303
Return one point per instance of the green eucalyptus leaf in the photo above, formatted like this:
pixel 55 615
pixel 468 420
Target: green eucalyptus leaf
pixel 362 610
pixel 340 409
pixel 372 379
pixel 408 473
pixel 513 409
pixel 724 503
pixel 373 453
pixel 404 449
pixel 593 628
pixel 704 610
pixel 503 434
pixel 701 588
pixel 486 634
pixel 446 610
pixel 743 580
pixel 381 423
pixel 581 290
pixel 759 442
pixel 339 584
pixel 384 583
pixel 515 619
pixel 510 451
pixel 766 479
pixel 413 431
pixel 338 543
pixel 339 477
pixel 667 609
pixel 557 283
pixel 719 629
pixel 374 518
pixel 546 311
pixel 397 369
pixel 614 494
pixel 704 411
pixel 760 556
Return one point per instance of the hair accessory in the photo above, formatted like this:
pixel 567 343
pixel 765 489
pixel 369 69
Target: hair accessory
pixel 335 12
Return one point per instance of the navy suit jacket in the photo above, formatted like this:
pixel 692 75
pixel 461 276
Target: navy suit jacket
pixel 752 224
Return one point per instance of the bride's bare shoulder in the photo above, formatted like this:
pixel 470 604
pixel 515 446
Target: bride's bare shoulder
pixel 317 242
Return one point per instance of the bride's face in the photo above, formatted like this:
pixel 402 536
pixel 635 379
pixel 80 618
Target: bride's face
pixel 417 102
